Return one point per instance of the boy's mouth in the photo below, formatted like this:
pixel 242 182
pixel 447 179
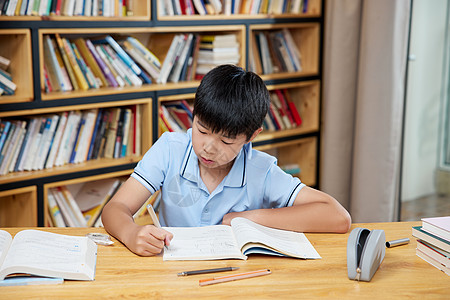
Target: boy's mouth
pixel 206 161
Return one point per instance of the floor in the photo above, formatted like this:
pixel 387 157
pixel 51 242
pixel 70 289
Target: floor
pixel 430 206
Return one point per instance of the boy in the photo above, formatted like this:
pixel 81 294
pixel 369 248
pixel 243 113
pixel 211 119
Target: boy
pixel 210 174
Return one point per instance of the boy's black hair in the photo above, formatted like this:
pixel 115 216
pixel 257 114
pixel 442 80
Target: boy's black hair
pixel 231 101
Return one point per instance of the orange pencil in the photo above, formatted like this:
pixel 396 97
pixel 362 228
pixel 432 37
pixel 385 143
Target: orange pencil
pixel 203 282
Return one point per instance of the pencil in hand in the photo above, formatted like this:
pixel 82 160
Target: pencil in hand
pixel 155 220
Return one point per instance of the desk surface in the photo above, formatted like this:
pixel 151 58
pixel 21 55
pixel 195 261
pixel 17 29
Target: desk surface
pixel 121 274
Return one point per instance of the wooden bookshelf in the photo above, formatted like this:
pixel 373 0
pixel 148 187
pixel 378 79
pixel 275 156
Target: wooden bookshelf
pixel 302 152
pixel 306 37
pixel 146 140
pixel 306 97
pixel 18 207
pixel 21 40
pixel 15 44
pixel 157 39
pixel 314 9
pixel 121 174
pixel 139 11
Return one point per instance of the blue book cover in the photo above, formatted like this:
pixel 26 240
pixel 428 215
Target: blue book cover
pixel 30 280
pixel 95 134
pixel 77 139
pixel 22 148
pixel 123 55
pixel 4 134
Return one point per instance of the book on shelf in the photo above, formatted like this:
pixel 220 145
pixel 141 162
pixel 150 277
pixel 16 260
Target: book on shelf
pixel 171 124
pixel 43 253
pixel 6 83
pixel 216 50
pixel 68 213
pixel 55 213
pixel 242 238
pixel 292 108
pixel 90 61
pixel 93 196
pixel 230 7
pixel 174 50
pixel 275 52
pixel 87 8
pixel 66 63
pixel 4 62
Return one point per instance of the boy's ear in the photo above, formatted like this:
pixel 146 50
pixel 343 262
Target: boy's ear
pixel 255 134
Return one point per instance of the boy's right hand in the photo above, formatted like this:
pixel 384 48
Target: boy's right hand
pixel 148 240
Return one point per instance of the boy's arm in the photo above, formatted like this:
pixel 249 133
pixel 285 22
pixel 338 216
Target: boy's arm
pixel 313 211
pixel 117 218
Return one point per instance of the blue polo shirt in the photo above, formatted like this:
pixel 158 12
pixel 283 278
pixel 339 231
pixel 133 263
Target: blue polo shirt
pixel 255 181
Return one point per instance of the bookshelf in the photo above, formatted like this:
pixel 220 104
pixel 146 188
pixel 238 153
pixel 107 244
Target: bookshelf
pixel 24 194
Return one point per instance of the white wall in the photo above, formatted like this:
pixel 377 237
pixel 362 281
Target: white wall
pixel 423 94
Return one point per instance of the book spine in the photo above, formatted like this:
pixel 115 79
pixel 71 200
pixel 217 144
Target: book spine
pixel 106 72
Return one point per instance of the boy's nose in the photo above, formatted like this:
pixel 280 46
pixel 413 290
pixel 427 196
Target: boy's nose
pixel 209 147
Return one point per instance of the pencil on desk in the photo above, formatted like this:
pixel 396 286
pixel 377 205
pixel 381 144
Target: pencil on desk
pixel 209 281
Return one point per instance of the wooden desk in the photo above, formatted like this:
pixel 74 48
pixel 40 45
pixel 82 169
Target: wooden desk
pixel 121 274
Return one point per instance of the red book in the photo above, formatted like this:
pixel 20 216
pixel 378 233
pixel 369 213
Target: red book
pixel 284 105
pixel 295 114
pixel 274 117
pixel 58 7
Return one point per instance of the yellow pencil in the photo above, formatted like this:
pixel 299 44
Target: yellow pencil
pixel 209 281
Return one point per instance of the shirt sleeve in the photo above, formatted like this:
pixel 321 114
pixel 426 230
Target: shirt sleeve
pixel 281 188
pixel 152 168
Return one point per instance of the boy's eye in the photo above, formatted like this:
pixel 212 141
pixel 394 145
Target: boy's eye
pixel 226 143
pixel 201 131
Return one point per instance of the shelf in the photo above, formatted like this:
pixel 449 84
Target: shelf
pixel 314 10
pixel 25 47
pixel 306 97
pixel 15 44
pixel 18 207
pixel 140 11
pixel 302 152
pixel 157 39
pixel 146 140
pixel 306 37
pixel 121 174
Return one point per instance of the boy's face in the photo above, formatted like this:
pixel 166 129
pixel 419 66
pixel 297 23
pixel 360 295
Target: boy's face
pixel 215 150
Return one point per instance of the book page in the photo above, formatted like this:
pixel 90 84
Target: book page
pixel 5 241
pixel 202 243
pixel 286 242
pixel 50 254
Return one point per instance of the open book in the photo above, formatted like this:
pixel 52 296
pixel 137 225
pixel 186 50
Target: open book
pixel 243 237
pixel 47 254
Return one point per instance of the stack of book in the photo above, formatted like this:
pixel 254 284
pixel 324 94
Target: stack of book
pixel 7 86
pixel 105 8
pixel 46 141
pixel 181 59
pixel 283 113
pixel 80 205
pixel 83 64
pixel 175 116
pixel 433 242
pixel 216 50
pixel 274 52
